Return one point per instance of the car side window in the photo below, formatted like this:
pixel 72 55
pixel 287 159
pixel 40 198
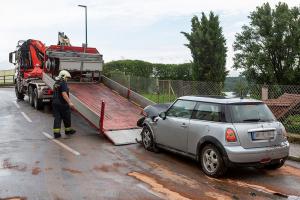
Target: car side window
pixel 208 112
pixel 182 108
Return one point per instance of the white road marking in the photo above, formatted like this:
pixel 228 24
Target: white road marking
pixel 17 105
pixel 62 144
pixel 26 117
pixel 150 191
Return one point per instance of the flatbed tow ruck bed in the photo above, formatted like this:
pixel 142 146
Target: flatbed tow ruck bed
pixel 114 114
pixel 120 115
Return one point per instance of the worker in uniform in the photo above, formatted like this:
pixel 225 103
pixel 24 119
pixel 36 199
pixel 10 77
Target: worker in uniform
pixel 61 105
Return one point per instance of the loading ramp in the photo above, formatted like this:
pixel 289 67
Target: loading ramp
pixel 120 115
pixel 108 106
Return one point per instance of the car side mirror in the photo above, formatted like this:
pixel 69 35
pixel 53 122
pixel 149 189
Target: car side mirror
pixel 163 115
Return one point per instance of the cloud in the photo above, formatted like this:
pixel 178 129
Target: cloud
pixel 113 23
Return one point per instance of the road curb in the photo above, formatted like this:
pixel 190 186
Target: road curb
pixel 294 158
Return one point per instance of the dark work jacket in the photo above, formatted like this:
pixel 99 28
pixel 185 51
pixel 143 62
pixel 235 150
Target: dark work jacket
pixel 59 87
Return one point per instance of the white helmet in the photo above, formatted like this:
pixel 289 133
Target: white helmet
pixel 63 74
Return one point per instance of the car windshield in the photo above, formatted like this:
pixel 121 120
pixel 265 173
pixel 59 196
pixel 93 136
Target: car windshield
pixel 245 113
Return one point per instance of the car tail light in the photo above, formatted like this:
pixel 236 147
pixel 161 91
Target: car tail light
pixel 230 135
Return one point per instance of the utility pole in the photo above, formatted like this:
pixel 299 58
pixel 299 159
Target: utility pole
pixel 85 7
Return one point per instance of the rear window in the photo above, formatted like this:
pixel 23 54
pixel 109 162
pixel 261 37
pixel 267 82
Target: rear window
pixel 245 113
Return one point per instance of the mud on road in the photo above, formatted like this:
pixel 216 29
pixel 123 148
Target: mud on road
pixel 34 167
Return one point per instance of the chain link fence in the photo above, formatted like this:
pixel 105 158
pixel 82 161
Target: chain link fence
pixel 283 100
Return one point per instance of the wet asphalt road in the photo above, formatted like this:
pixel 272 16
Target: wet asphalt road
pixel 34 167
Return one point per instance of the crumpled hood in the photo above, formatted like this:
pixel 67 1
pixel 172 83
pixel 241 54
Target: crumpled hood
pixel 155 110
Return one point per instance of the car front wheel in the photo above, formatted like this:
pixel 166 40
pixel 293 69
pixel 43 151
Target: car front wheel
pixel 212 162
pixel 147 139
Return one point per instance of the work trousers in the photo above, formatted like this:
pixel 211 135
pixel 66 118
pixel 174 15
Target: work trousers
pixel 61 112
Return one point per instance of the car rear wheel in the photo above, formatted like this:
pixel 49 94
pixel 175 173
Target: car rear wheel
pixel 147 139
pixel 212 162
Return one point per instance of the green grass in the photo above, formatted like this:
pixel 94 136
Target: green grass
pixel 292 124
pixel 162 98
pixel 8 78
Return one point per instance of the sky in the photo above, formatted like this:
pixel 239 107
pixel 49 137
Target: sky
pixel 122 29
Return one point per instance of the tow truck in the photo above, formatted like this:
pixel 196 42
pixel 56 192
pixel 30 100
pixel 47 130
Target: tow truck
pixel 110 107
pixel 32 59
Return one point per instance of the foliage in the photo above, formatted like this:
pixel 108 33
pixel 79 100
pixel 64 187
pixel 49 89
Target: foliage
pixel 230 83
pixel 129 67
pixel 208 49
pixel 292 124
pixel 160 98
pixel 268 49
pixel 241 88
pixel 146 69
pixel 173 71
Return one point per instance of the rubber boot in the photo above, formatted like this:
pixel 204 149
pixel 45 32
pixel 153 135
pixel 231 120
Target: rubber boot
pixel 57 135
pixel 70 132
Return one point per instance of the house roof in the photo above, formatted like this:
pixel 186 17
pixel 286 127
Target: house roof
pixel 283 104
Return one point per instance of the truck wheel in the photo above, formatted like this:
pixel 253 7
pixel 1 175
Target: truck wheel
pixel 38 103
pixel 212 162
pixel 19 95
pixel 31 96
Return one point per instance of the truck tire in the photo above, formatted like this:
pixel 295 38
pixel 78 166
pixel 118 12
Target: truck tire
pixel 38 103
pixel 31 96
pixel 20 96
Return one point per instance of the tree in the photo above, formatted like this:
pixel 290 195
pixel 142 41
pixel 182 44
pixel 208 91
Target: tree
pixel 268 49
pixel 129 67
pixel 173 71
pixel 208 49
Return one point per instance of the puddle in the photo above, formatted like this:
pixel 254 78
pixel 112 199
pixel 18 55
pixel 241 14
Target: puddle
pixel 4 173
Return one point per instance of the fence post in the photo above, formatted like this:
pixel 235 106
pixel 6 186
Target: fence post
pixel 264 93
pixel 4 79
pixel 157 89
pixel 129 86
pixel 169 90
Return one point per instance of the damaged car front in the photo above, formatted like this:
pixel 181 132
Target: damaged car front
pixel 151 112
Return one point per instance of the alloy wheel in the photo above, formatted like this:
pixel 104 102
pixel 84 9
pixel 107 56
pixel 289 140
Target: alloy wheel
pixel 210 160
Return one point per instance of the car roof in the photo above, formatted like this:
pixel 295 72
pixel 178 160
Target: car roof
pixel 219 99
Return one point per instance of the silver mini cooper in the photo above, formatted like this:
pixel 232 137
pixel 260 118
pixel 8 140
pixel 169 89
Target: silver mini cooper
pixel 216 131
